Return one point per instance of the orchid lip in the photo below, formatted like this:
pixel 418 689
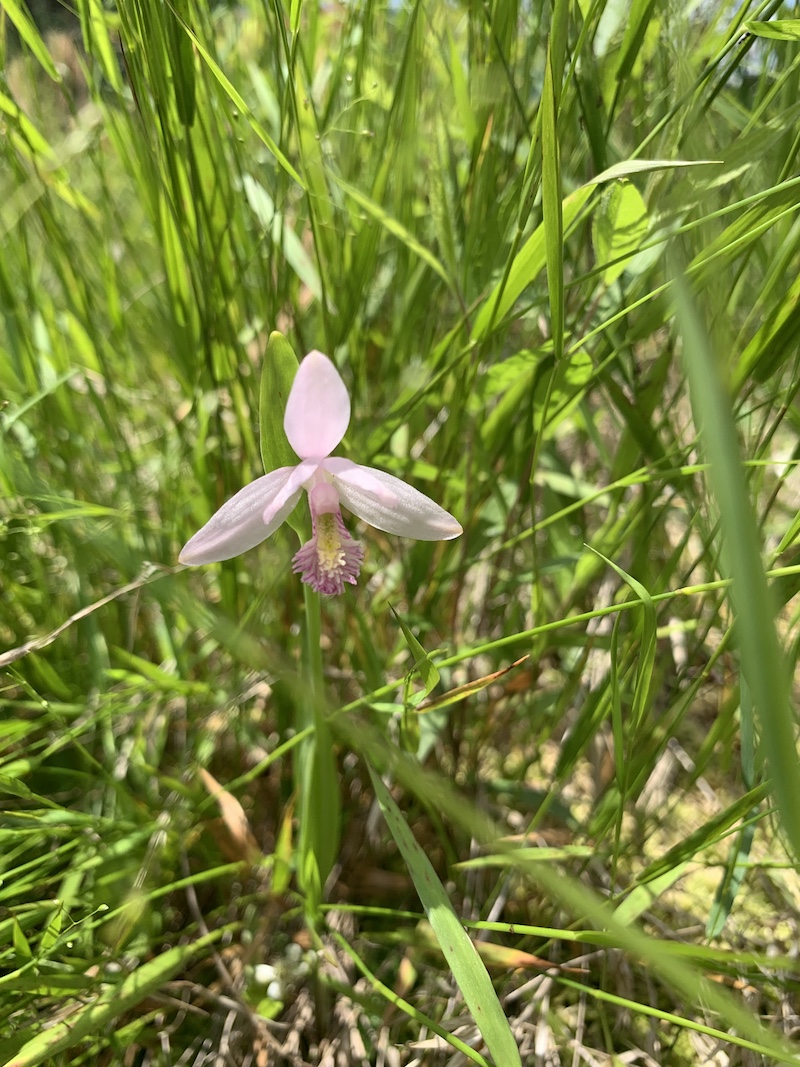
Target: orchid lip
pixel 331 558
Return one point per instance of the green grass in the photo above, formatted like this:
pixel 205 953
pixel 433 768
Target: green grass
pixel 534 788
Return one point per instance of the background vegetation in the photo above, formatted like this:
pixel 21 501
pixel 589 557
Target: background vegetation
pixel 480 211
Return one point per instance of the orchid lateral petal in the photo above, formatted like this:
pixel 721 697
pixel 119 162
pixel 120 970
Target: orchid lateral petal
pixel 414 514
pixel 360 478
pixel 294 483
pixel 318 409
pixel 239 523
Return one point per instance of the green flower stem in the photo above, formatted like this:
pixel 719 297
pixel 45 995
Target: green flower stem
pixel 313 650
pixel 316 779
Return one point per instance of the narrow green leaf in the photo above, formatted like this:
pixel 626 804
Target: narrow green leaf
pixel 315 768
pixel 617 727
pixel 647 651
pixel 644 166
pixel 282 235
pixel 777 334
pixel 51 934
pixel 238 101
pixel 551 209
pixel 94 24
pixel 732 878
pixel 162 680
pixel 461 93
pixel 462 958
pixel 90 1019
pixel 31 36
pixel 528 263
pixel 593 110
pixel 14 787
pixel 762 661
pixel 557 46
pixel 22 950
pixel 278 369
pixel 642 897
pixel 423 664
pixel 52 985
pixel 532 257
pixel 182 64
pixel 311 883
pixel 513 857
pixel 705 835
pixel 775 29
pixel 392 226
pixel 636 23
pixel 618 228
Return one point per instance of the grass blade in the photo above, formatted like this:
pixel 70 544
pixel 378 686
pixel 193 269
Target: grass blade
pixel 90 1019
pixel 30 35
pixel 763 664
pixel 465 963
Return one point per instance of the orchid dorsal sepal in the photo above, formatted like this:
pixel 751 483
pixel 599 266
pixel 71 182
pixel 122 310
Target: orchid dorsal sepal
pixel 316 417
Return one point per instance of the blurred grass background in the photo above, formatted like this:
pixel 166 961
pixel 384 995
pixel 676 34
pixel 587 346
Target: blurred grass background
pixel 478 211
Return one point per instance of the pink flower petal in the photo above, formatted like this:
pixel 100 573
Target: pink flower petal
pixel 239 524
pixel 318 409
pixel 413 514
pixel 297 477
pixel 360 478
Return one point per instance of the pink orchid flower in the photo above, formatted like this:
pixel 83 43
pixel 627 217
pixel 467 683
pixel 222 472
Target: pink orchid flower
pixel 316 419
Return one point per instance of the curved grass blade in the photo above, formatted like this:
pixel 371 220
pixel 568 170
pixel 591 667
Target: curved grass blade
pixel 90 1019
pixel 551 209
pixel 31 36
pixel 462 958
pixel 763 664
pixel 532 257
pixel 675 969
pixel 732 878
pixel 392 226
pixel 775 29
pixel 409 1009
pixel 237 100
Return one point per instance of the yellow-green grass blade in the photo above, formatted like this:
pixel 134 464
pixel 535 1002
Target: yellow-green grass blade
pixel 465 963
pixel 90 1019
pixel 763 665
pixel 775 29
pixel 532 256
pixel 31 36
pixel 551 206
pixel 661 958
pixel 409 1009
pixel 238 101
pixel 396 228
